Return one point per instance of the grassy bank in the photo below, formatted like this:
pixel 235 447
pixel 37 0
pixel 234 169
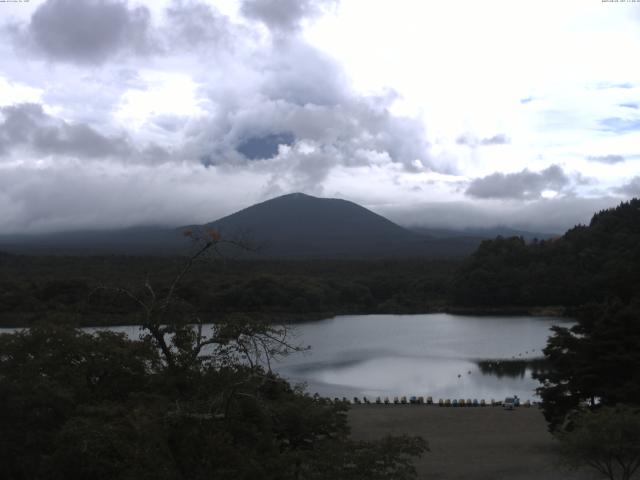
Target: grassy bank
pixel 470 443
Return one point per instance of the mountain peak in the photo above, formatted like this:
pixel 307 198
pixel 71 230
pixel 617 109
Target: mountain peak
pixel 295 195
pixel 301 225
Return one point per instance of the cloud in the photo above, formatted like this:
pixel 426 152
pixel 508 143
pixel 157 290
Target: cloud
pixel 631 189
pixel 524 185
pixel 620 125
pixel 303 172
pixel 499 139
pixel 473 141
pixel 27 126
pixel 93 32
pixel 609 159
pixel 86 32
pixel 299 92
pixel 554 215
pixel 265 115
pixel 71 195
pixel 358 131
pixel 618 85
pixel 193 24
pixel 284 16
pixel 632 105
pixel 301 74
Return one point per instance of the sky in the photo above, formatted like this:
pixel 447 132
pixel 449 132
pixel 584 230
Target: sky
pixel 463 114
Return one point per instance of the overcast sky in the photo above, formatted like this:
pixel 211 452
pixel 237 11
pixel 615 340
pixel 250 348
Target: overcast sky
pixel 451 114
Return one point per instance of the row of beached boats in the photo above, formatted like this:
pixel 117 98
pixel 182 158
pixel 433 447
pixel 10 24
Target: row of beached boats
pixel 509 402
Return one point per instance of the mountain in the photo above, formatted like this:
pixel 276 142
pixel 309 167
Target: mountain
pixel 131 241
pixel 290 226
pixel 479 234
pixel 299 225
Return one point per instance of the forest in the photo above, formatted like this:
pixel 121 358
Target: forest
pixel 74 287
pixel 589 263
pixel 594 270
pixel 77 405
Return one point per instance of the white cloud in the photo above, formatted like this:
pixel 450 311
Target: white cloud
pixel 17 92
pixel 389 103
pixel 162 94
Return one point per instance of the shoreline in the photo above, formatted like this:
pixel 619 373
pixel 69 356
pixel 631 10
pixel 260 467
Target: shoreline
pixel 289 318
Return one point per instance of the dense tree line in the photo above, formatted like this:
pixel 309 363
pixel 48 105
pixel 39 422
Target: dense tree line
pixel 588 263
pixel 31 287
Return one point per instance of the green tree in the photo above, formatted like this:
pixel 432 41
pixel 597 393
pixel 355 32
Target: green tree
pixel 184 402
pixel 594 362
pixel 607 440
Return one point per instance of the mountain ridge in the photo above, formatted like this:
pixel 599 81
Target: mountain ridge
pixel 300 225
pixel 295 225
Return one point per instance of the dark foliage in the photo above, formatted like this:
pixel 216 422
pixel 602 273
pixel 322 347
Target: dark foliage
pixel 33 287
pixel 74 405
pixel 594 270
pixel 594 363
pixel 589 263
pixel 607 440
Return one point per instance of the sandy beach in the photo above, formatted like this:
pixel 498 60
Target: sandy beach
pixel 470 443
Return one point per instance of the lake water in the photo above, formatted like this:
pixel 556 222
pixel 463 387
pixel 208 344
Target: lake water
pixel 445 356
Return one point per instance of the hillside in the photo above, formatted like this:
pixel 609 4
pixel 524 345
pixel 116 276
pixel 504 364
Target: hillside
pixel 588 263
pixel 129 241
pixel 299 225
pixel 294 226
pixel 479 234
pixel 302 226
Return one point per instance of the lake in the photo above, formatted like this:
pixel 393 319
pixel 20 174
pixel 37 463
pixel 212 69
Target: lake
pixel 442 355
pixel 445 356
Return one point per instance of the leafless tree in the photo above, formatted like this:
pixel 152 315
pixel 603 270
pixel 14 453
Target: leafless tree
pixel 185 340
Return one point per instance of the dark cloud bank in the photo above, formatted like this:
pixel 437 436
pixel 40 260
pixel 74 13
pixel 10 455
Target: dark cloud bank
pixel 285 15
pixel 630 189
pixel 524 185
pixel 86 32
pixel 26 127
pixel 608 159
pixel 551 216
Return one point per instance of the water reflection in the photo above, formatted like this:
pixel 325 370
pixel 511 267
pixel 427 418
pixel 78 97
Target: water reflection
pixel 512 368
pixel 436 354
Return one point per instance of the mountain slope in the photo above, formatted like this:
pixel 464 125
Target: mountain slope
pixel 299 225
pixel 479 234
pixel 129 241
pixel 290 226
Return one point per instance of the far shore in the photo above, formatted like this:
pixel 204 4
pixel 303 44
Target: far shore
pixel 22 320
